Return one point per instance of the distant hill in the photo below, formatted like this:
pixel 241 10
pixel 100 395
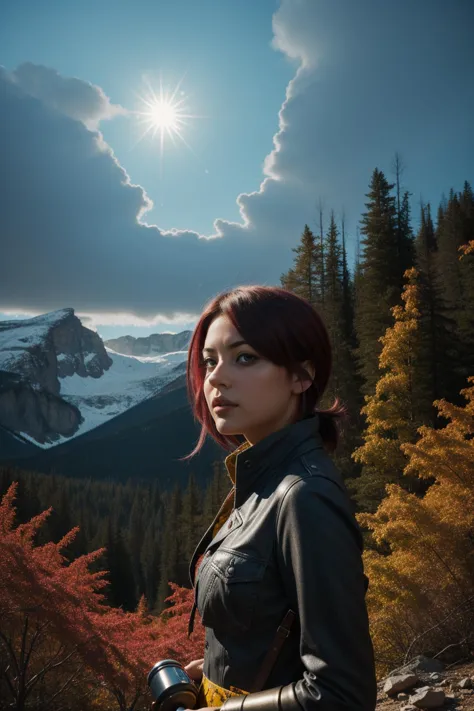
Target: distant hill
pixel 156 344
pixel 14 446
pixel 143 443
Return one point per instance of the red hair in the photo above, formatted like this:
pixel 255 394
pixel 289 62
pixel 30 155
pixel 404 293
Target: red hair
pixel 282 327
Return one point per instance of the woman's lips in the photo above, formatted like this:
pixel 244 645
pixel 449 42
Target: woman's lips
pixel 223 408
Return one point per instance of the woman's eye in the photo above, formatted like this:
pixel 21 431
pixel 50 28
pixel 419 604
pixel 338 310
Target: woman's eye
pixel 244 358
pixel 205 362
pixel 248 356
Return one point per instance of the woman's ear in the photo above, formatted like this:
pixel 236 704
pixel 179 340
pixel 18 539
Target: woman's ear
pixel 309 367
pixel 302 383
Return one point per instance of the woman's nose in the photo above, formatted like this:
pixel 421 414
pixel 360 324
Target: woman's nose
pixel 219 375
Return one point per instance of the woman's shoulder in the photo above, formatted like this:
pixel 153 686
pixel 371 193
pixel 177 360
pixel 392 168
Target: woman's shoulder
pixel 311 472
pixel 312 494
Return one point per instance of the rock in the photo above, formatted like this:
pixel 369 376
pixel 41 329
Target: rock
pixel 419 663
pixel 52 346
pixel 408 707
pixel 428 698
pixel 402 697
pixel 465 683
pixel 435 676
pixel 34 411
pixel 35 354
pixel 399 682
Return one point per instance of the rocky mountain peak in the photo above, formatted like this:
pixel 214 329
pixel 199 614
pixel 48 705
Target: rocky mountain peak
pixel 51 346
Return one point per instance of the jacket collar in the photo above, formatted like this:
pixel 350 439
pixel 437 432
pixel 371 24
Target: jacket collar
pixel 246 463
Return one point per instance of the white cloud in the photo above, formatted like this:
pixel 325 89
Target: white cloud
pixel 73 97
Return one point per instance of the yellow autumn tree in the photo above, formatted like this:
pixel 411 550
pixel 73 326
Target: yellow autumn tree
pixel 421 595
pixel 467 248
pixel 392 412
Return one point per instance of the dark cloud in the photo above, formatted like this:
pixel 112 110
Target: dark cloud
pixel 70 233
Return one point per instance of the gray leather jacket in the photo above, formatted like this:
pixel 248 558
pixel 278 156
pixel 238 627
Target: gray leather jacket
pixel 291 541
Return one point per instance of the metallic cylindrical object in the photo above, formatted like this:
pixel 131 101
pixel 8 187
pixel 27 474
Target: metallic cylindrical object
pixel 171 687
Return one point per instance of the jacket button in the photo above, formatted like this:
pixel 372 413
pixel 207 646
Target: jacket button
pixel 247 464
pixel 207 645
pixel 229 525
pixel 230 571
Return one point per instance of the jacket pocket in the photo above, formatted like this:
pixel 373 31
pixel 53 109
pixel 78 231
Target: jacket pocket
pixel 232 589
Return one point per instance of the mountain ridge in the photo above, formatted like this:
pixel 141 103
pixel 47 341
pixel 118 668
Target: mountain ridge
pixel 154 344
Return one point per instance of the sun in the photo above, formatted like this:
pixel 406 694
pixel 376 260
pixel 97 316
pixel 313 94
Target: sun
pixel 165 113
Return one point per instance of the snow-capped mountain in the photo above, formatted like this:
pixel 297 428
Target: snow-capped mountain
pixel 51 346
pixel 156 344
pixel 57 379
pixel 128 381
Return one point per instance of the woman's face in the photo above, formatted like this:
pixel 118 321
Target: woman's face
pixel 264 396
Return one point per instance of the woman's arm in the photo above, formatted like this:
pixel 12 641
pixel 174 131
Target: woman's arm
pixel 194 669
pixel 319 554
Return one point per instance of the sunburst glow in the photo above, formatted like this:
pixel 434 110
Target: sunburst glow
pixel 165 114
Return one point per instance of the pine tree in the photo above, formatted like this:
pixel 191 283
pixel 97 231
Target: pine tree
pixel 151 551
pixel 405 246
pixel 289 280
pixel 467 207
pixel 379 277
pixel 406 253
pixel 215 493
pixel 121 591
pixel 393 411
pixel 338 321
pixel 169 545
pixel 305 277
pixel 454 277
pixel 466 268
pixel 433 327
pixel 190 526
pixel 357 288
pixel 347 293
pixel 136 532
pixel 333 312
pixel 352 383
pixel 322 256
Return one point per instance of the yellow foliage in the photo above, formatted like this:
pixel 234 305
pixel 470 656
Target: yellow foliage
pixel 466 248
pixel 421 595
pixel 389 411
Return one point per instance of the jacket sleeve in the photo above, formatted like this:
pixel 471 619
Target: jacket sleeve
pixel 319 547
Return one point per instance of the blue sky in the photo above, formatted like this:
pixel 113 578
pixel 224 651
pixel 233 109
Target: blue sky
pixel 231 74
pixel 354 82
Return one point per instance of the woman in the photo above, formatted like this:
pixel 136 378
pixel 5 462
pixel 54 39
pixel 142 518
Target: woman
pixel 280 585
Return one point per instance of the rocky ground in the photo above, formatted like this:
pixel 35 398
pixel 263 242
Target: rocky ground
pixel 428 684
